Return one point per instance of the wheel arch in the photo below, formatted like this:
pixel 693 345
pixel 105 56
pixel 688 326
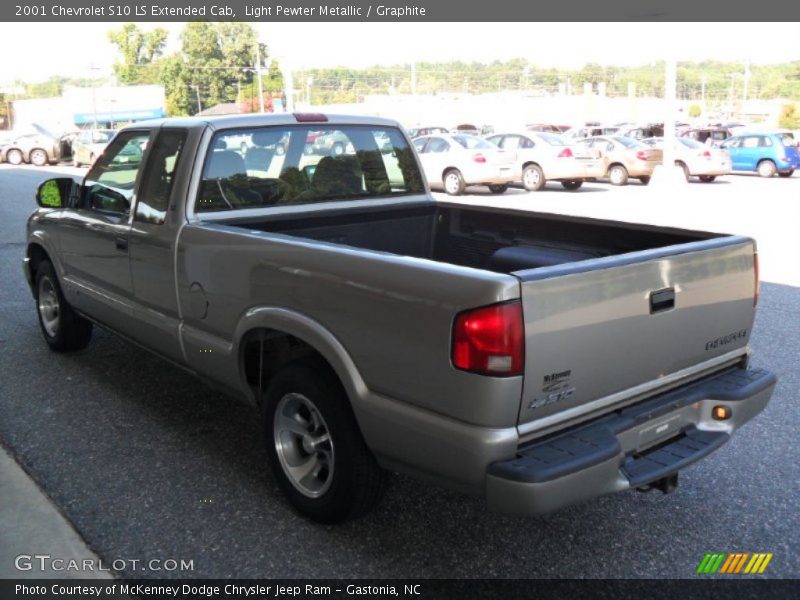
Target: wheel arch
pixel 36 252
pixel 268 338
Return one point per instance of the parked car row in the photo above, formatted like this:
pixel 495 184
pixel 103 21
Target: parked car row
pixel 543 152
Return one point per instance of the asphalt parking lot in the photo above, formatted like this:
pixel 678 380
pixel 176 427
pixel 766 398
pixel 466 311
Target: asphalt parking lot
pixel 147 463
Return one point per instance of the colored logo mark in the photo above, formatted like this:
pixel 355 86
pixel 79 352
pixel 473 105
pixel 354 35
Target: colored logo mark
pixel 734 563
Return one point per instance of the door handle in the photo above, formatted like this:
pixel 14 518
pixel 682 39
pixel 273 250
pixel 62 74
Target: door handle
pixel 662 300
pixel 121 243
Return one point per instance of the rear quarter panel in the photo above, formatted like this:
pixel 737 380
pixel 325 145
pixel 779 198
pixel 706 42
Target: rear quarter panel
pixel 393 315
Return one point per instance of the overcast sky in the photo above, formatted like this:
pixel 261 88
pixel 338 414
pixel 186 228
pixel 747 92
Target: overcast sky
pixel 304 45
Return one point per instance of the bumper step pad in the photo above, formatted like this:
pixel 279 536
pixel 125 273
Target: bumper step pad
pixel 671 457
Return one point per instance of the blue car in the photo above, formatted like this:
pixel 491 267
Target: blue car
pixel 764 153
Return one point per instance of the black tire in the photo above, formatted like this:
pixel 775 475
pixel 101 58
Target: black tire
pixel 453 182
pixel 618 175
pixel 498 188
pixel 786 173
pixel 684 168
pixel 644 180
pixel 766 168
pixel 38 157
pixel 533 178
pixel 71 331
pixel 572 184
pixel 707 178
pixel 337 149
pixel 14 157
pixel 355 483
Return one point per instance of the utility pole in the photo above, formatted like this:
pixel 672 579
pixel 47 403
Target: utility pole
pixel 703 92
pixel 258 74
pixel 746 80
pixel 199 104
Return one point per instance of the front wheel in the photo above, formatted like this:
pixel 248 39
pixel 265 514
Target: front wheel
pixel 766 168
pixel 498 188
pixel 572 185
pixel 64 330
pixel 315 448
pixel 39 157
pixel 618 175
pixel 454 182
pixel 707 178
pixel 786 173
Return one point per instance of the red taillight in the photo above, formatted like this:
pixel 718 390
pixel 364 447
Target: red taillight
pixel 641 155
pixel 565 153
pixel 490 340
pixel 705 154
pixel 479 158
pixel 757 290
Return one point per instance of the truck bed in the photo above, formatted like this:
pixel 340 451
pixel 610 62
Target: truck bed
pixel 477 237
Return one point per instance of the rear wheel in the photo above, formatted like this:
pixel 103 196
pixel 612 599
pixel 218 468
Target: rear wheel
pixel 644 180
pixel 315 448
pixel 64 330
pixel 39 157
pixel 338 149
pixel 14 157
pixel 786 173
pixel 707 178
pixel 533 178
pixel 766 168
pixel 454 182
pixel 618 175
pixel 498 188
pixel 572 184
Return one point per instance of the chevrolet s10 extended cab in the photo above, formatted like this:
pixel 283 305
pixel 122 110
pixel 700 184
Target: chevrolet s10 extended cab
pixel 534 359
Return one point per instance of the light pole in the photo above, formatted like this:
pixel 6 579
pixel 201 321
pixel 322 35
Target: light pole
pixel 258 74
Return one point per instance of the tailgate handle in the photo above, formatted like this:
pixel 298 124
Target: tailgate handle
pixel 661 300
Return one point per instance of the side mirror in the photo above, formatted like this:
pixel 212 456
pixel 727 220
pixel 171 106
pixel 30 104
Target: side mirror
pixel 54 193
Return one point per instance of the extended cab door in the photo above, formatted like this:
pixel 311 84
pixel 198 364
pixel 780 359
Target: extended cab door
pixel 156 222
pixel 94 234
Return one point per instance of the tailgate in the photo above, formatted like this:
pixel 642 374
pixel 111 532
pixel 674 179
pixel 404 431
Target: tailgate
pixel 603 331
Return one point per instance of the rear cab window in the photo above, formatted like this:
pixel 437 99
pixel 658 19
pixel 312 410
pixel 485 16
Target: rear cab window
pixel 297 164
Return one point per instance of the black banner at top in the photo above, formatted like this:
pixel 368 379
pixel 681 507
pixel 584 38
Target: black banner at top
pixel 393 10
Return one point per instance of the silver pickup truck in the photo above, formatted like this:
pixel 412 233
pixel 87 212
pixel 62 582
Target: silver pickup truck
pixel 534 359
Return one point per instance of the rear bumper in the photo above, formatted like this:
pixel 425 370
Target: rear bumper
pixel 630 448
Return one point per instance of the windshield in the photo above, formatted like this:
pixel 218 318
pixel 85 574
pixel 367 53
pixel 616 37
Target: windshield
pixel 274 166
pixel 628 142
pixel 470 142
pixel 553 139
pixel 690 143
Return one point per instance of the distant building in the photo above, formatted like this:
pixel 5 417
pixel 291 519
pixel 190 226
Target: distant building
pixel 80 107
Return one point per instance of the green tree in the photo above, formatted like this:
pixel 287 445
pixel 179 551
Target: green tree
pixel 789 117
pixel 695 111
pixel 140 52
pixel 216 61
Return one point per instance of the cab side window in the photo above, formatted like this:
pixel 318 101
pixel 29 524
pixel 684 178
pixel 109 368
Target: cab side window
pixel 153 199
pixel 110 183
